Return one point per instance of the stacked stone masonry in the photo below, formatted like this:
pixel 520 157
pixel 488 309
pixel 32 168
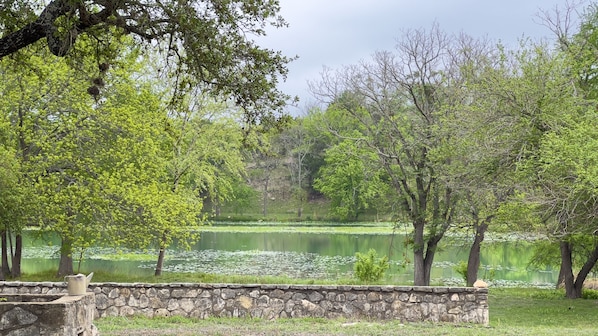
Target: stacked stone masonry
pixel 408 304
pixel 49 315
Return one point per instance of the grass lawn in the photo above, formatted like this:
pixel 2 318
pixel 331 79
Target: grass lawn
pixel 512 312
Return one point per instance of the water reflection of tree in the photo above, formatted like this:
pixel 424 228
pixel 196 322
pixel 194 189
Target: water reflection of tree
pixel 298 256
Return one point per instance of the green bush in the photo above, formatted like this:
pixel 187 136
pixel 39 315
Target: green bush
pixel 461 269
pixel 589 294
pixel 370 268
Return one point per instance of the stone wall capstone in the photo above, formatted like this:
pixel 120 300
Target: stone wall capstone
pixel 200 300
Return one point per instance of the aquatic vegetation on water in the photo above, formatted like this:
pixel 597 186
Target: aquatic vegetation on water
pixel 266 263
pixel 305 256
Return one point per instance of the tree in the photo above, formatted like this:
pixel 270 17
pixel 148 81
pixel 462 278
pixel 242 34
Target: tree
pixel 29 117
pixel 82 152
pixel 211 40
pixel 567 180
pixel 552 96
pixel 350 180
pixel 16 207
pixel 321 139
pixel 94 169
pixel 544 109
pixel 265 159
pixel 90 149
pixel 204 162
pixel 397 98
pixel 297 145
pixel 243 197
pixel 16 95
pixel 477 151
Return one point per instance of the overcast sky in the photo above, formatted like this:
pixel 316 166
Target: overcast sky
pixel 334 33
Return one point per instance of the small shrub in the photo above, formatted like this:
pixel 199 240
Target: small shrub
pixel 461 269
pixel 370 268
pixel 589 294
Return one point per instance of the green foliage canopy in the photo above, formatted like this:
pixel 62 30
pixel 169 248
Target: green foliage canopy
pixel 213 41
pixel 351 180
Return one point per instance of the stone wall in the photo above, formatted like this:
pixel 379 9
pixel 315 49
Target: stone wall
pixel 409 304
pixel 47 314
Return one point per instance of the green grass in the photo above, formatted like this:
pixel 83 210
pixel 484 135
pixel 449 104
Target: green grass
pixel 545 309
pixel 512 312
pixel 257 227
pixel 281 210
pixel 101 276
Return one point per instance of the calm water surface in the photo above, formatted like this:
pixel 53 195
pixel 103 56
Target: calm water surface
pixel 300 255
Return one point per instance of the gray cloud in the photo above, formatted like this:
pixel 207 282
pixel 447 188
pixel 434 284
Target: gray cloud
pixel 333 33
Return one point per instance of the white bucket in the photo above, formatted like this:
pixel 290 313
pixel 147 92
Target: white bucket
pixel 77 284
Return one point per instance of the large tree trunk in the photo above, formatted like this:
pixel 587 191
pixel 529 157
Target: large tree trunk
pixel 5 266
pixel 473 261
pixel 575 291
pixel 567 270
pixel 65 266
pixel 17 256
pixel 19 39
pixel 419 273
pixel 44 27
pixel 560 281
pixel 432 245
